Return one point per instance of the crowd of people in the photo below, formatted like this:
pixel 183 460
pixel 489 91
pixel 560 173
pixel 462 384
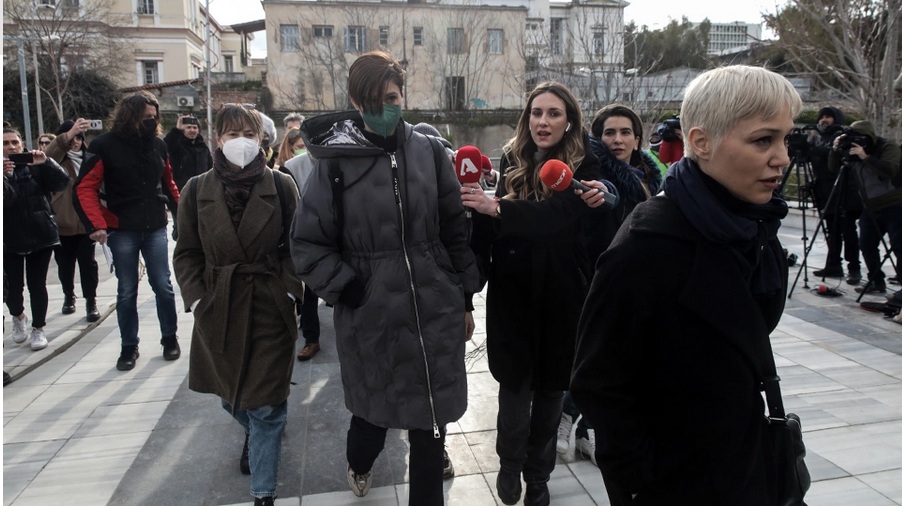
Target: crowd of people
pixel 361 209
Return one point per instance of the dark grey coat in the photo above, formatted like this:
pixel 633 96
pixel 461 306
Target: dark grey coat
pixel 402 349
pixel 245 328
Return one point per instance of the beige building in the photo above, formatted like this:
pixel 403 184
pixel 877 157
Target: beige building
pixel 150 41
pixel 459 54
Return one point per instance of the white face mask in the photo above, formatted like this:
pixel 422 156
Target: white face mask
pixel 240 151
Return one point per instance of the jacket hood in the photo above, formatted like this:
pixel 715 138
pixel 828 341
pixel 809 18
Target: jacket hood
pixel 341 134
pixel 865 127
pixel 838 116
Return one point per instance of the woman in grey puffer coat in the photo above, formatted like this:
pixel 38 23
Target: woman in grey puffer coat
pixel 387 245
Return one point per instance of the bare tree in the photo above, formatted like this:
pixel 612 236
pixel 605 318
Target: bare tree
pixel 851 49
pixel 68 36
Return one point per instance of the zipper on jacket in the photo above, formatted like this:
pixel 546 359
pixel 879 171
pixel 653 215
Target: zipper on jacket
pixel 416 309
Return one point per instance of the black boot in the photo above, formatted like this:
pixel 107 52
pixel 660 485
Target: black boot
pixel 243 463
pixel 171 349
pixel 69 303
pixel 127 358
pixel 264 501
pixel 91 312
pixel 508 486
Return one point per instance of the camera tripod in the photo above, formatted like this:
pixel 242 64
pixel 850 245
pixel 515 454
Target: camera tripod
pixel 800 165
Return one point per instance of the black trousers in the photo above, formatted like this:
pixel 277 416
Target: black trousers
pixel 842 237
pixel 77 248
pixel 31 268
pixel 310 316
pixel 527 431
pixel 366 441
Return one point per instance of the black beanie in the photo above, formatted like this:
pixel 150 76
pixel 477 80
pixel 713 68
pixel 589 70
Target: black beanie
pixel 66 126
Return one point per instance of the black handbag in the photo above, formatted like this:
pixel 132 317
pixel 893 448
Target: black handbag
pixel 792 477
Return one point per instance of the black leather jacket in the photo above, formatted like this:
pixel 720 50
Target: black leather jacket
pixel 28 223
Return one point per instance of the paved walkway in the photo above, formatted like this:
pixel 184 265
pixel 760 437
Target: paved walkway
pixel 78 432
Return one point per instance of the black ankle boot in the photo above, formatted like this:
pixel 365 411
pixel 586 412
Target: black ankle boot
pixel 69 303
pixel 264 501
pixel 91 312
pixel 171 348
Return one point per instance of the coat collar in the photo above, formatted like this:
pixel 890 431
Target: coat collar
pixel 211 205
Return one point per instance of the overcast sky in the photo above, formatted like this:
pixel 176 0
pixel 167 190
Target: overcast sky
pixel 653 13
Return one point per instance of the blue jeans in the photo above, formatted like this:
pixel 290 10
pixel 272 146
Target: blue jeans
pixel 873 225
pixel 125 246
pixel 265 426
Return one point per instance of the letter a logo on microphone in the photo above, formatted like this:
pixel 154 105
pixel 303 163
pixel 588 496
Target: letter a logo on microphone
pixel 467 167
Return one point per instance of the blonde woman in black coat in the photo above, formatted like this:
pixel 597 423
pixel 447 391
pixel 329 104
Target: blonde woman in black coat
pixel 664 359
pixel 529 240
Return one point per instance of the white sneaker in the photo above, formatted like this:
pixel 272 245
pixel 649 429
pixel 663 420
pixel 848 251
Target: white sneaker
pixel 564 430
pixel 586 446
pixel 38 339
pixel 359 483
pixel 19 326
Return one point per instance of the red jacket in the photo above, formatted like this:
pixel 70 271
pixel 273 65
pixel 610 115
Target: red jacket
pixel 125 183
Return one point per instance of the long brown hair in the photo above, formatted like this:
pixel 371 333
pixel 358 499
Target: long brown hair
pixel 130 112
pixel 522 178
pixel 285 151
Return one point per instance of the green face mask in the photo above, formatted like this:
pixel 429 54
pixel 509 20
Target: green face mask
pixel 383 124
pixel 299 151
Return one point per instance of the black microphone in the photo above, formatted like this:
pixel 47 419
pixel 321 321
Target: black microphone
pixel 557 176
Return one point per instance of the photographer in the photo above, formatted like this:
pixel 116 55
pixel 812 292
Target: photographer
pixel 841 215
pixel 873 162
pixel 671 149
pixel 29 233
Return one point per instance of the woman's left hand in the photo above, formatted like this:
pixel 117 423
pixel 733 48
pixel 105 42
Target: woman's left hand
pixel 472 196
pixel 470 323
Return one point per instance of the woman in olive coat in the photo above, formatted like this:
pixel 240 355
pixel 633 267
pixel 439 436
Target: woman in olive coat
pixel 234 268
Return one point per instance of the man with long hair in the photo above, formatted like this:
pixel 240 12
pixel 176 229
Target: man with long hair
pixel 131 164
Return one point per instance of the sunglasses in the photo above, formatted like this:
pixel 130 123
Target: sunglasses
pixel 249 107
pixel 44 143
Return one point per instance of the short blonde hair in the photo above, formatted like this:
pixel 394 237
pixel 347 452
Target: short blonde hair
pixel 718 99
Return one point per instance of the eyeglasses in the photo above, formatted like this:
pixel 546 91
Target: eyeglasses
pixel 44 143
pixel 249 107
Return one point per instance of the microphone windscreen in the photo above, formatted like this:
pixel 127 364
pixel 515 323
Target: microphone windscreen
pixel 468 164
pixel 556 175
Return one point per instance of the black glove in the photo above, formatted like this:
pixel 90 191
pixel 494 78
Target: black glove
pixel 353 293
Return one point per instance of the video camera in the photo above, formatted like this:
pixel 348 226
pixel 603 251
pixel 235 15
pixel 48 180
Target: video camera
pixel 667 130
pixel 853 137
pixel 797 143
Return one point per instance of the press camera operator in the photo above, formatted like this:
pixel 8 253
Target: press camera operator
pixel 840 218
pixel 873 162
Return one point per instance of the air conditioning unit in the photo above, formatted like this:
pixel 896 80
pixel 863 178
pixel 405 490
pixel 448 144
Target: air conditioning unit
pixel 184 101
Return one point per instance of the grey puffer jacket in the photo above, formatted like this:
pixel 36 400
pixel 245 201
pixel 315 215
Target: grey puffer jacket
pixel 400 339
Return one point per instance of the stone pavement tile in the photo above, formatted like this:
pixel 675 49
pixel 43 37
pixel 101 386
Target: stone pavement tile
pixel 461 455
pixel 796 380
pixel 45 424
pixel 122 419
pixel 481 385
pixel 23 461
pixel 463 491
pixel 891 395
pixel 590 478
pixel 565 489
pixel 888 483
pixel 85 471
pixel 845 492
pixel 857 376
pixel 864 458
pixel 821 468
pixel 377 496
pixel 482 444
pixel 481 414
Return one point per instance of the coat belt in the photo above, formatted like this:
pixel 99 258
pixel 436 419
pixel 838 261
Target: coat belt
pixel 222 297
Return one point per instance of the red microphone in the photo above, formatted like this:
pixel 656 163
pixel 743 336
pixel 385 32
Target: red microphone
pixel 487 172
pixel 557 176
pixel 468 164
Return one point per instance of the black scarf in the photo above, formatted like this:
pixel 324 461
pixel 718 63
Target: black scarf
pixel 238 183
pixel 747 229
